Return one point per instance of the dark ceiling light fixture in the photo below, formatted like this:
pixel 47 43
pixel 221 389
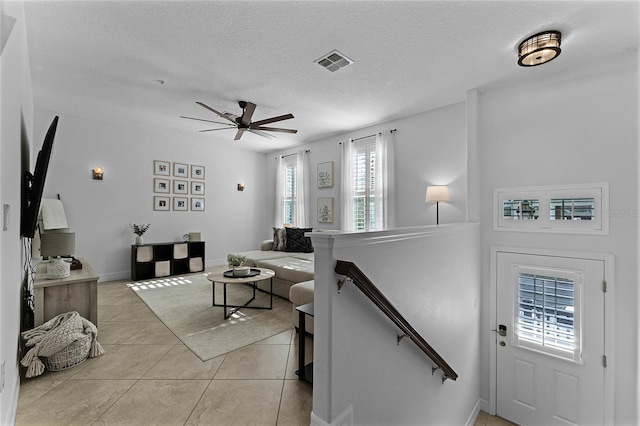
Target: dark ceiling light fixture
pixel 539 48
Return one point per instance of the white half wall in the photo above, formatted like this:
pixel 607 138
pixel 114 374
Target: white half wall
pixel 431 275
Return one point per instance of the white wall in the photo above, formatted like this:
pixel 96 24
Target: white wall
pixel 100 211
pixel 432 277
pixel 16 114
pixel 578 127
pixel 430 149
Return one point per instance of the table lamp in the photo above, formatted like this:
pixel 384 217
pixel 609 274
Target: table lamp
pixel 56 244
pixel 437 194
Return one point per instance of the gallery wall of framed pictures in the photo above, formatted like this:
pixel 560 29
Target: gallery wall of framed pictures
pixel 178 186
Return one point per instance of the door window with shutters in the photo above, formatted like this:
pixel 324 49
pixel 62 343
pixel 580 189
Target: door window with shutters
pixel 548 311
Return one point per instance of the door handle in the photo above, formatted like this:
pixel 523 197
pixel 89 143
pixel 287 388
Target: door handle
pixel 502 330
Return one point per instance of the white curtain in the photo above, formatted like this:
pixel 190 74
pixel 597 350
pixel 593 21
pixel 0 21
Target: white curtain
pixel 385 185
pixel 347 185
pixel 301 207
pixel 279 193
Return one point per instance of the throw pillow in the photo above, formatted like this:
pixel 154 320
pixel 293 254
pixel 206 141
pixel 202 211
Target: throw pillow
pixel 279 239
pixel 296 241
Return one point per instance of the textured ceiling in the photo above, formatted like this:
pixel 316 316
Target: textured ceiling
pixel 105 60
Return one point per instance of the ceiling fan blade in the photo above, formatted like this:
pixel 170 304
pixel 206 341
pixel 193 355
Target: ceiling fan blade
pixel 247 113
pixel 214 111
pixel 261 133
pixel 238 134
pixel 208 121
pixel 275 129
pixel 211 130
pixel 271 120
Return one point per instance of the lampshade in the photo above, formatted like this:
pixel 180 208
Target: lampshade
pixel 439 193
pixel 539 48
pixel 57 243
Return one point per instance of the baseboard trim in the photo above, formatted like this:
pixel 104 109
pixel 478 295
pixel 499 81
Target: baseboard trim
pixel 471 420
pixel 344 419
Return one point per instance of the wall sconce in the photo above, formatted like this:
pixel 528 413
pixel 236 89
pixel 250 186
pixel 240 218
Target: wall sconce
pixel 437 194
pixel 241 187
pixel 98 172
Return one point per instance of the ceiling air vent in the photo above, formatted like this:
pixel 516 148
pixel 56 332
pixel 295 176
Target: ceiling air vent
pixel 334 61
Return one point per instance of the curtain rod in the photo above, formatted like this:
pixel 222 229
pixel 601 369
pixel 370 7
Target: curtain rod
pixel 295 153
pixel 370 136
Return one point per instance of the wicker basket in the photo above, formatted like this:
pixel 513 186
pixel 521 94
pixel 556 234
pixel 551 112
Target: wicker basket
pixel 72 355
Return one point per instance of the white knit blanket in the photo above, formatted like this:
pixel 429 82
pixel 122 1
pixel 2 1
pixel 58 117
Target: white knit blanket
pixel 53 336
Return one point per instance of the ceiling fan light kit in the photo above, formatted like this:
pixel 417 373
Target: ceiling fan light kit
pixel 539 48
pixel 243 122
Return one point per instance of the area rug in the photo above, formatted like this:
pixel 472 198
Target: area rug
pixel 184 305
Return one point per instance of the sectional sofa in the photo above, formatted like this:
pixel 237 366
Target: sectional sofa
pixel 293 271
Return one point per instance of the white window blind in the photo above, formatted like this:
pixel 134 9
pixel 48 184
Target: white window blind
pixel 364 170
pixel 290 189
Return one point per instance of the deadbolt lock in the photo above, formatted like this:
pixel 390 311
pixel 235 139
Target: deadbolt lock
pixel 502 343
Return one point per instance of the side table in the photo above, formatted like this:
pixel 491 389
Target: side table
pixel 305 372
pixel 77 292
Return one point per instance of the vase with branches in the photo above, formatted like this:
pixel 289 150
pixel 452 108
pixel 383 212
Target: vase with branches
pixel 139 230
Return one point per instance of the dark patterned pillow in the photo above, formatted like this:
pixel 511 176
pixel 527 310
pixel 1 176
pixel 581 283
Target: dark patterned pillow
pixel 296 241
pixel 279 239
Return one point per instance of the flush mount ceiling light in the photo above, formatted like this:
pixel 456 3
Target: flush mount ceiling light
pixel 539 48
pixel 333 61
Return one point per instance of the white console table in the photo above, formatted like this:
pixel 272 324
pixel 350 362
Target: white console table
pixel 77 292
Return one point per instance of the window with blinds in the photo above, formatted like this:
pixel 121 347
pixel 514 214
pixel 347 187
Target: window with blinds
pixel 364 169
pixel 578 209
pixel 289 192
pixel 548 311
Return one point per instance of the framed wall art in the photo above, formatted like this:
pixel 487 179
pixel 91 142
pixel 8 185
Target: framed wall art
pixel 161 168
pixel 161 185
pixel 197 204
pixel 180 204
pixel 180 187
pixel 180 170
pixel 197 188
pixel 197 172
pixel 325 210
pixel 325 174
pixel 161 203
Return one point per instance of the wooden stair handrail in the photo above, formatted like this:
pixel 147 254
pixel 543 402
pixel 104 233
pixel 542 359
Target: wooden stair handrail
pixel 350 270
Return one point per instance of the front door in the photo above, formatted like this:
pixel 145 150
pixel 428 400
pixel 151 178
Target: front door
pixel 550 339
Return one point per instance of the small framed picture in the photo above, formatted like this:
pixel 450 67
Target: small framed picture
pixel 161 203
pixel 180 170
pixel 197 188
pixel 325 174
pixel 197 204
pixel 325 210
pixel 180 187
pixel 180 204
pixel 197 172
pixel 161 168
pixel 161 185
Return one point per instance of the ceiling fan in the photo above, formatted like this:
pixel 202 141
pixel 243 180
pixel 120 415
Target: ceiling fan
pixel 243 123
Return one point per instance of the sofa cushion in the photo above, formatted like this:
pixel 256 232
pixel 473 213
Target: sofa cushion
pixel 290 268
pixel 303 256
pixel 296 241
pixel 279 239
pixel 255 256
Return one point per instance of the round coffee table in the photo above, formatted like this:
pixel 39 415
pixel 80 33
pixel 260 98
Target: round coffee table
pixel 259 274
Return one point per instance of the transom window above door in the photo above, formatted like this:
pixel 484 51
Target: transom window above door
pixel 580 209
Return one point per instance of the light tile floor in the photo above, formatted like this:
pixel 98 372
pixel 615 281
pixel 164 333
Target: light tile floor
pixel 148 377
